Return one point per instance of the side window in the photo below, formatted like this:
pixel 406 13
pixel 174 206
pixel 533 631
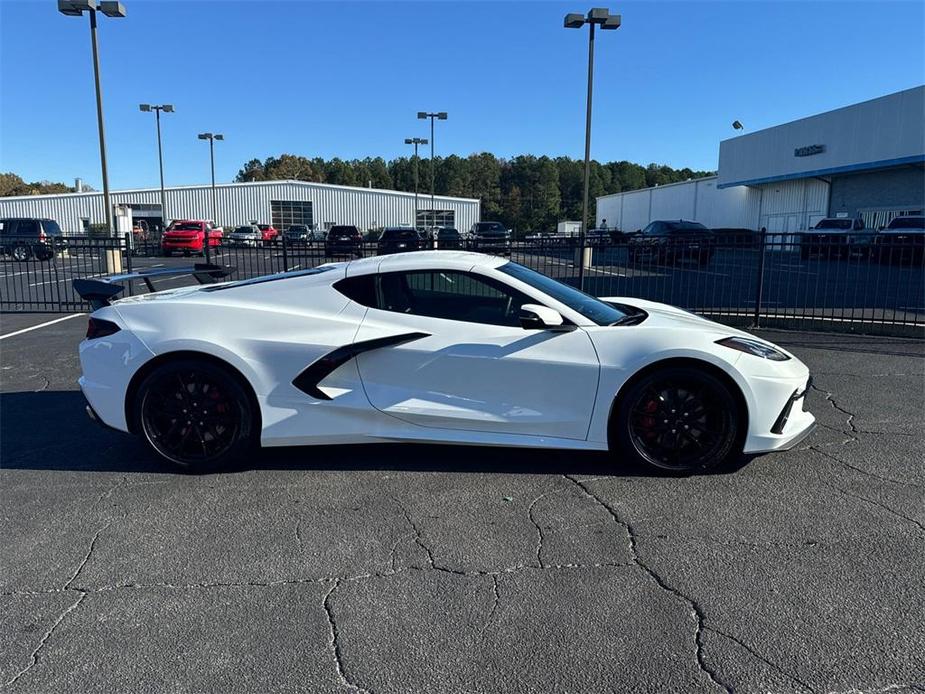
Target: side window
pixel 27 227
pixel 6 227
pixel 451 295
pixel 361 289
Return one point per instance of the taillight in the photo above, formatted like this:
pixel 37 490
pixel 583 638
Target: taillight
pixel 97 327
pixel 42 236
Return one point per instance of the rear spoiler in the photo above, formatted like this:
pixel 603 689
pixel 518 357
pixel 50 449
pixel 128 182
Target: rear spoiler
pixel 100 291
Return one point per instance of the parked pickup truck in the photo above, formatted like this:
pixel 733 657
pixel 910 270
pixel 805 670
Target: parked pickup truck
pixel 902 241
pixel 490 237
pixel 836 237
pixel 187 236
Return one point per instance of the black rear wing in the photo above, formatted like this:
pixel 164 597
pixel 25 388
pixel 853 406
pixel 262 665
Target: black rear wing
pixel 100 291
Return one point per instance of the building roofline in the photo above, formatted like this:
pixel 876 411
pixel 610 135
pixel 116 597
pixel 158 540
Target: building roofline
pixel 208 186
pixel 666 185
pixel 919 87
pixel 849 168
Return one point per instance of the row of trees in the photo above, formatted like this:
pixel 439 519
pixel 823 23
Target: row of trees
pixel 526 193
pixel 12 184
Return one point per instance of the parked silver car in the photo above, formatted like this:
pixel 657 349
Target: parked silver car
pixel 246 235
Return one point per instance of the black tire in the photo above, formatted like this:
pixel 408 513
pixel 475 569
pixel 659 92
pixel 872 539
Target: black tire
pixel 21 252
pixel 225 426
pixel 679 420
pixel 704 258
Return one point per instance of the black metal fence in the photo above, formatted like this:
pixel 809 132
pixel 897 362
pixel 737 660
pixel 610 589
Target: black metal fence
pixel 874 284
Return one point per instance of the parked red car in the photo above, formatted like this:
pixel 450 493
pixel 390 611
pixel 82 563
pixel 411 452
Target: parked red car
pixel 269 232
pixel 187 236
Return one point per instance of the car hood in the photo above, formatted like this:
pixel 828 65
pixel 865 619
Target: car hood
pixel 665 316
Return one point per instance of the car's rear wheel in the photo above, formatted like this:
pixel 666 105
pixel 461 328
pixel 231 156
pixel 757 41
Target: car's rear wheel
pixel 21 252
pixel 196 415
pixel 678 419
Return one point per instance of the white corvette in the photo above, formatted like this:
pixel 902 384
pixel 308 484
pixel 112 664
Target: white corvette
pixel 431 346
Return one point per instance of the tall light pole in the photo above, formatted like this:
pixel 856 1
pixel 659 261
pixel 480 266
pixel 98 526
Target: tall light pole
pixel 166 108
pixel 415 141
pixel 597 16
pixel 439 116
pixel 75 8
pixel 212 138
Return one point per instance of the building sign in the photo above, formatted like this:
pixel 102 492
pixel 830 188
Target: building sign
pixel 808 151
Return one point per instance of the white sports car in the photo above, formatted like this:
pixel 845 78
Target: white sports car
pixel 431 346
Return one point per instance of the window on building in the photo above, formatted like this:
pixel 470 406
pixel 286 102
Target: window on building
pixel 427 219
pixel 285 213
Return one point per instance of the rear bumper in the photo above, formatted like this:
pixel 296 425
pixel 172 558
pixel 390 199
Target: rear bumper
pixel 170 245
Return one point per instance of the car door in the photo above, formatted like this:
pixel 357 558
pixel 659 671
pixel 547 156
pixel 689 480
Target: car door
pixel 468 364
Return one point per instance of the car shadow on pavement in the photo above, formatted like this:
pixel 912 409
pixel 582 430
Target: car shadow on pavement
pixel 49 430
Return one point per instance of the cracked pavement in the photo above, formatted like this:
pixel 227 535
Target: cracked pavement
pixel 451 569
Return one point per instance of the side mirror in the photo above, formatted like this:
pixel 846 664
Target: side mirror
pixel 536 317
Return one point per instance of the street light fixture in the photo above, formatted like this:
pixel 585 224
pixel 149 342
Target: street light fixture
pixel 212 138
pixel 415 141
pixel 599 16
pixel 166 108
pixel 75 8
pixel 423 115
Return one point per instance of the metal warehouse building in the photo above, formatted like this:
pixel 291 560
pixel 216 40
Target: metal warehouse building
pixel 866 160
pixel 280 203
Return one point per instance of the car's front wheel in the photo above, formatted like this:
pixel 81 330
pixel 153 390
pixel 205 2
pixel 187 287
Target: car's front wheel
pixel 678 419
pixel 196 415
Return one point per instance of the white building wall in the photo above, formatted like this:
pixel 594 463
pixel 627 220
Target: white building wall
pixel 793 205
pixel 239 203
pixel 886 131
pixel 699 200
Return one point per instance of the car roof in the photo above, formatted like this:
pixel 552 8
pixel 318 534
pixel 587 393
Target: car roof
pixel 424 260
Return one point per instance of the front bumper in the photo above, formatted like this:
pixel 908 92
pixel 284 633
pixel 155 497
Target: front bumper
pixel 182 245
pixel 792 422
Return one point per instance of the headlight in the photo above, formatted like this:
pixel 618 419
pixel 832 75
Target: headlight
pixel 753 347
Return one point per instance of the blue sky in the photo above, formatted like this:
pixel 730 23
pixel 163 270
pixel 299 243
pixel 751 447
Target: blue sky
pixel 346 79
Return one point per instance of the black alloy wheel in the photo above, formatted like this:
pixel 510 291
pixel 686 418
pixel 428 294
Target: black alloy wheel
pixel 195 414
pixel 679 420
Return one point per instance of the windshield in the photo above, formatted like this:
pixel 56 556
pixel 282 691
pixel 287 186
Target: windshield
pixel 447 232
pixel 244 230
pixel 834 224
pixel 481 227
pixel 590 307
pixel 907 223
pixel 685 226
pixel 188 226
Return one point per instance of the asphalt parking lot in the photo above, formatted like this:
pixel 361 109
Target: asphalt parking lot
pixel 449 569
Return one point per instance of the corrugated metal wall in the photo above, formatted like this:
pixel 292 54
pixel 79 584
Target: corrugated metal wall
pixel 793 205
pixel 699 200
pixel 239 203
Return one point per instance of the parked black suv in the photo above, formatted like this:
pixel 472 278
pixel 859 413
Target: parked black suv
pixel 672 241
pixel 343 240
pixel 448 238
pixel 399 240
pixel 29 237
pixel 299 233
pixel 490 237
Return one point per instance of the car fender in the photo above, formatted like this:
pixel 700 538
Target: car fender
pixel 621 362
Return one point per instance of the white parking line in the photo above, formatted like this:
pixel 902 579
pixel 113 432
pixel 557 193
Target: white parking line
pixel 65 279
pixel 41 325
